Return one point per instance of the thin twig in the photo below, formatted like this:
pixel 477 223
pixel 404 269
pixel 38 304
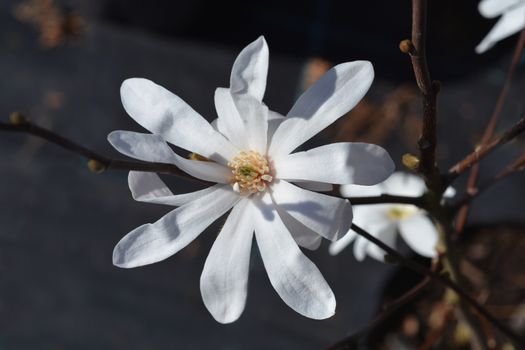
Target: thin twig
pixel 427 140
pixel 514 167
pixel 491 126
pixel 445 282
pixel 388 310
pixel 474 157
pixel 386 198
pixel 112 164
pixel 108 163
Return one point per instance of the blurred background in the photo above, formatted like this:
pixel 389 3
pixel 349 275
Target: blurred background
pixel 62 63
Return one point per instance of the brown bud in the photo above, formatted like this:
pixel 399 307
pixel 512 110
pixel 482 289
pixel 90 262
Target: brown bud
pixel 390 259
pixel 95 166
pixel 451 297
pixel 16 118
pixel 462 334
pixel 410 161
pixel 406 46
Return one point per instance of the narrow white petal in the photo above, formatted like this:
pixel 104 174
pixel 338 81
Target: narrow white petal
pixel 360 247
pixel 510 23
pixel 302 235
pixel 337 246
pixel 373 220
pixel 274 120
pixel 163 113
pixel 359 191
pixel 145 147
pixel 330 217
pixel 254 115
pixel 314 186
pixel 151 243
pixel 337 163
pixel 420 233
pixel 250 69
pixel 450 192
pixel 495 8
pixel 148 187
pixel 293 276
pixel 332 96
pixel 153 148
pixel 224 279
pixel 386 235
pixel 404 184
pixel 229 123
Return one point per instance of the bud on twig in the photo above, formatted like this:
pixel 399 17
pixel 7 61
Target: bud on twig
pixel 390 259
pixel 462 334
pixel 410 161
pixel 95 166
pixel 406 46
pixel 16 118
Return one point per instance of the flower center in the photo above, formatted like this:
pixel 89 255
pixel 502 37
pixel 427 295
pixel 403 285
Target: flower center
pixel 251 172
pixel 401 212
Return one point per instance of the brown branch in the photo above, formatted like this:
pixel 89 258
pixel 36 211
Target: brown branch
pixel 445 281
pixel 386 198
pixel 516 166
pixel 388 310
pixel 24 126
pixel 474 157
pixel 427 140
pixel 491 126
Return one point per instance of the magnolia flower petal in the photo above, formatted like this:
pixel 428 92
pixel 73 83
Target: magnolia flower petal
pixel 148 187
pixel 293 276
pixel 510 23
pixel 314 186
pixel 229 123
pixel 254 123
pixel 386 235
pixel 332 96
pixel 373 220
pixel 360 247
pixel 250 69
pixel 337 246
pixel 360 191
pixel 404 184
pixel 274 120
pixel 145 147
pixel 338 163
pixel 151 243
pixel 224 279
pixel 330 217
pixel 495 8
pixel 420 233
pixel 165 114
pixel 153 148
pixel 450 192
pixel 302 235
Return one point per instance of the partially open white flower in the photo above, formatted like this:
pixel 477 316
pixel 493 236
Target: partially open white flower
pixel 249 156
pixel 385 221
pixel 512 20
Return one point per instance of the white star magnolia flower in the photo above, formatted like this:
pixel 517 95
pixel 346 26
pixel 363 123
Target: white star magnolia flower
pixel 384 221
pixel 512 20
pixel 250 159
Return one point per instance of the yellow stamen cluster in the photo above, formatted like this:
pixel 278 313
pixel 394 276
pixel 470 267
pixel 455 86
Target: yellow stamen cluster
pixel 251 172
pixel 400 212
